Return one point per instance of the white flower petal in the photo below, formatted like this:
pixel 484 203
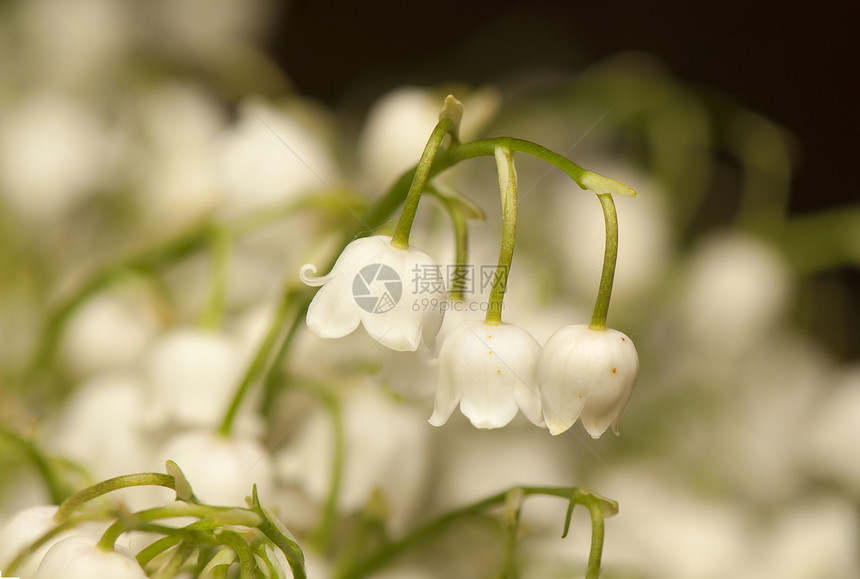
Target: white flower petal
pixel 447 398
pixel 332 313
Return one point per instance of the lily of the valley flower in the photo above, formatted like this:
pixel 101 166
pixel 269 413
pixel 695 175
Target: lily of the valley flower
pixel 79 557
pixel 586 373
pixel 491 371
pixel 397 294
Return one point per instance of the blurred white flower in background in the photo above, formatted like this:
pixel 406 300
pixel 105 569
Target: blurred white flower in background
pixel 735 289
pixel 73 44
pixel 55 152
pixel 171 158
pixel 815 537
pixel 101 425
pixel 190 375
pixel 708 534
pixel 395 132
pixel 830 450
pixel 398 124
pixel 387 450
pixel 271 154
pixel 208 29
pixel 645 237
pixel 765 417
pixel 109 332
pixel 21 530
pixel 222 470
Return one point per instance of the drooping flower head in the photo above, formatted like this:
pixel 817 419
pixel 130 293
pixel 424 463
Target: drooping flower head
pixel 588 374
pixel 398 295
pixel 491 371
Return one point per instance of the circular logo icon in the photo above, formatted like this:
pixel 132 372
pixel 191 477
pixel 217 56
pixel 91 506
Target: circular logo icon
pixel 377 288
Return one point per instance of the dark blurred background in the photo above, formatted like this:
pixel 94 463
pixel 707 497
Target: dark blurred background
pixel 794 63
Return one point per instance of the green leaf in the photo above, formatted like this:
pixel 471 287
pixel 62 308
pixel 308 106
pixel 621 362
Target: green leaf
pixel 183 487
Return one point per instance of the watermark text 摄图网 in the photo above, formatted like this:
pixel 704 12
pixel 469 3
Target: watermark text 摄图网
pixel 377 287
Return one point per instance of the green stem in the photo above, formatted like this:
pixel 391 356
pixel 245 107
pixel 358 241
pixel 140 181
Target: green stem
pixel 513 509
pixel 144 262
pixel 461 256
pixel 156 548
pixel 211 517
pixel 80 498
pixel 177 560
pixel 247 564
pixel 391 550
pixel 422 173
pixel 213 310
pixel 258 364
pixel 56 489
pixel 595 553
pixel 486 148
pixel 164 253
pixel 610 255
pixel 323 535
pixel 273 377
pixel 456 211
pixel 273 530
pixel 159 546
pixel 508 188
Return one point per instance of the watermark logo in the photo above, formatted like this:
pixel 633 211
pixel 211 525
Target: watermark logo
pixel 377 288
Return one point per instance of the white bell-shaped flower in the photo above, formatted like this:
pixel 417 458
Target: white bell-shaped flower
pixel 397 294
pixel 375 460
pixel 491 371
pixel 221 470
pixel 191 376
pixel 20 530
pixel 80 557
pixel 589 374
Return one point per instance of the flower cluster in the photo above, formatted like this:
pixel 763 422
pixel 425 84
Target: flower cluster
pixel 491 369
